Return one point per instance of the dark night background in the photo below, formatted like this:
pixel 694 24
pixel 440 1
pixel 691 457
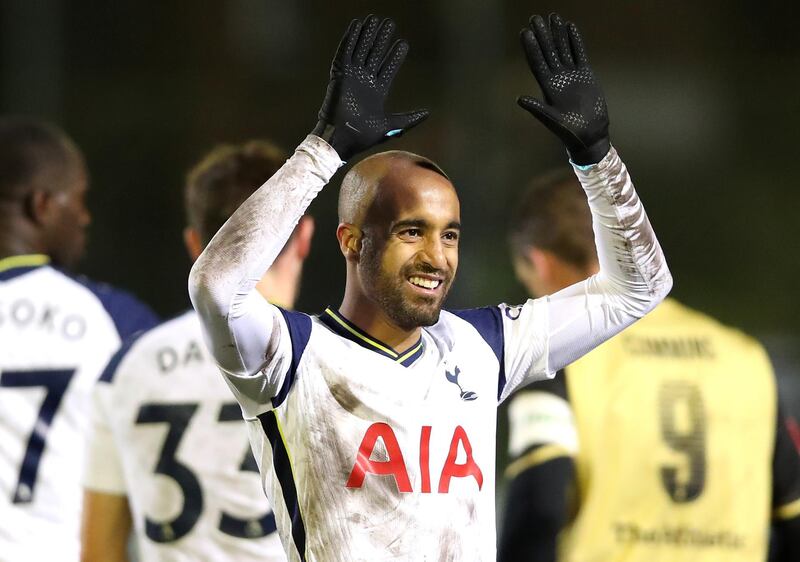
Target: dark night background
pixel 702 96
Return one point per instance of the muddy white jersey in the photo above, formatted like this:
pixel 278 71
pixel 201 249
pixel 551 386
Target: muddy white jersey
pixel 371 453
pixel 376 454
pixel 57 333
pixel 169 435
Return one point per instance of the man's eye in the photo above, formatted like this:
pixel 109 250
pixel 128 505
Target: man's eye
pixel 414 232
pixel 451 236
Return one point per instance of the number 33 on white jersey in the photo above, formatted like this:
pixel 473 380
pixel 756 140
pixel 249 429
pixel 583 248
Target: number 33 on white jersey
pixel 169 435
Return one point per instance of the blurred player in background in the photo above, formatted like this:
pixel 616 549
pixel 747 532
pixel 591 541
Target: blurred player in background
pixel 170 453
pixel 666 443
pixel 56 334
pixel 374 424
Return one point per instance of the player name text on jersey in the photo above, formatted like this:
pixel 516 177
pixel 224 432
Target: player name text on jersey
pixel 26 313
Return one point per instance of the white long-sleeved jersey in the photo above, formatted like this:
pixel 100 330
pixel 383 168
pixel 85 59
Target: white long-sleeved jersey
pixel 56 334
pixel 169 436
pixel 371 453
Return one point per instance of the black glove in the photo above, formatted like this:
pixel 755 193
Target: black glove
pixel 575 108
pixel 352 117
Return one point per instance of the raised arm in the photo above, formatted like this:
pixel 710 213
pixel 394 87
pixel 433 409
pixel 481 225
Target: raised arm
pixel 248 336
pixel 551 332
pixel 633 276
pixel 237 322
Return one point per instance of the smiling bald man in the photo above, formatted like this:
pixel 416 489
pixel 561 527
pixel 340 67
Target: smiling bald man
pixel 388 205
pixel 374 424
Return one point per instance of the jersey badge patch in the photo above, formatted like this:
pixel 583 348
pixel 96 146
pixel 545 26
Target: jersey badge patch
pixel 466 395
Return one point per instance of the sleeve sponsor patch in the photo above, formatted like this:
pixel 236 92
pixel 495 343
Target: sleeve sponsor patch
pixel 541 418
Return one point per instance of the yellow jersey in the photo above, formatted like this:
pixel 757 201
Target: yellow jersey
pixel 672 428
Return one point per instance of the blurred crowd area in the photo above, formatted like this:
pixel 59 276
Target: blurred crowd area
pixel 702 97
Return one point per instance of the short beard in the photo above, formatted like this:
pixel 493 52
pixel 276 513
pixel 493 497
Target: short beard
pixel 384 290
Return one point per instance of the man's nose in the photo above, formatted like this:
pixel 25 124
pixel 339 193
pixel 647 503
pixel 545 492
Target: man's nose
pixel 433 253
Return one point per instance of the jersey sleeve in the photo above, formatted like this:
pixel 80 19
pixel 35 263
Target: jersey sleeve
pixel 786 468
pixel 269 387
pixel 546 334
pixel 103 472
pixel 254 342
pixel 542 443
pixel 541 425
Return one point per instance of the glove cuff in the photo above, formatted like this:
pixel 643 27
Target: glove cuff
pixel 592 154
pixel 334 136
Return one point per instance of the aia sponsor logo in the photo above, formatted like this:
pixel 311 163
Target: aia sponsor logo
pixel 395 463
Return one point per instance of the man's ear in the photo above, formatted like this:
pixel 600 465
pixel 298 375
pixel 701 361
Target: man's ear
pixel 302 237
pixel 349 237
pixel 543 263
pixel 553 273
pixel 537 270
pixel 38 206
pixel 193 242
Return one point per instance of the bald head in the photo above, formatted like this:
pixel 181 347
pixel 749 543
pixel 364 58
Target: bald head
pixel 378 177
pixel 399 225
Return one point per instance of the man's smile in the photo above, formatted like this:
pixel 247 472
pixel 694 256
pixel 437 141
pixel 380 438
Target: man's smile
pixel 429 284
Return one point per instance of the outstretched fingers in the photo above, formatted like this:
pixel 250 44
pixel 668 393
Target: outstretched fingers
pixel 392 62
pixel 559 30
pixel 344 51
pixel 353 116
pixel 576 44
pixel 534 55
pixel 365 39
pixel 383 39
pixel 546 43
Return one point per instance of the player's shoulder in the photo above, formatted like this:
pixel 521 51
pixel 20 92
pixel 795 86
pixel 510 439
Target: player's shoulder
pixel 16 268
pixel 486 321
pixel 44 277
pixel 33 274
pixel 483 319
pixel 673 329
pixel 150 346
pixel 129 314
pixel 676 313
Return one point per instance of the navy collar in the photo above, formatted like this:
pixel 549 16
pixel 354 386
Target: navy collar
pixel 13 266
pixel 342 326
